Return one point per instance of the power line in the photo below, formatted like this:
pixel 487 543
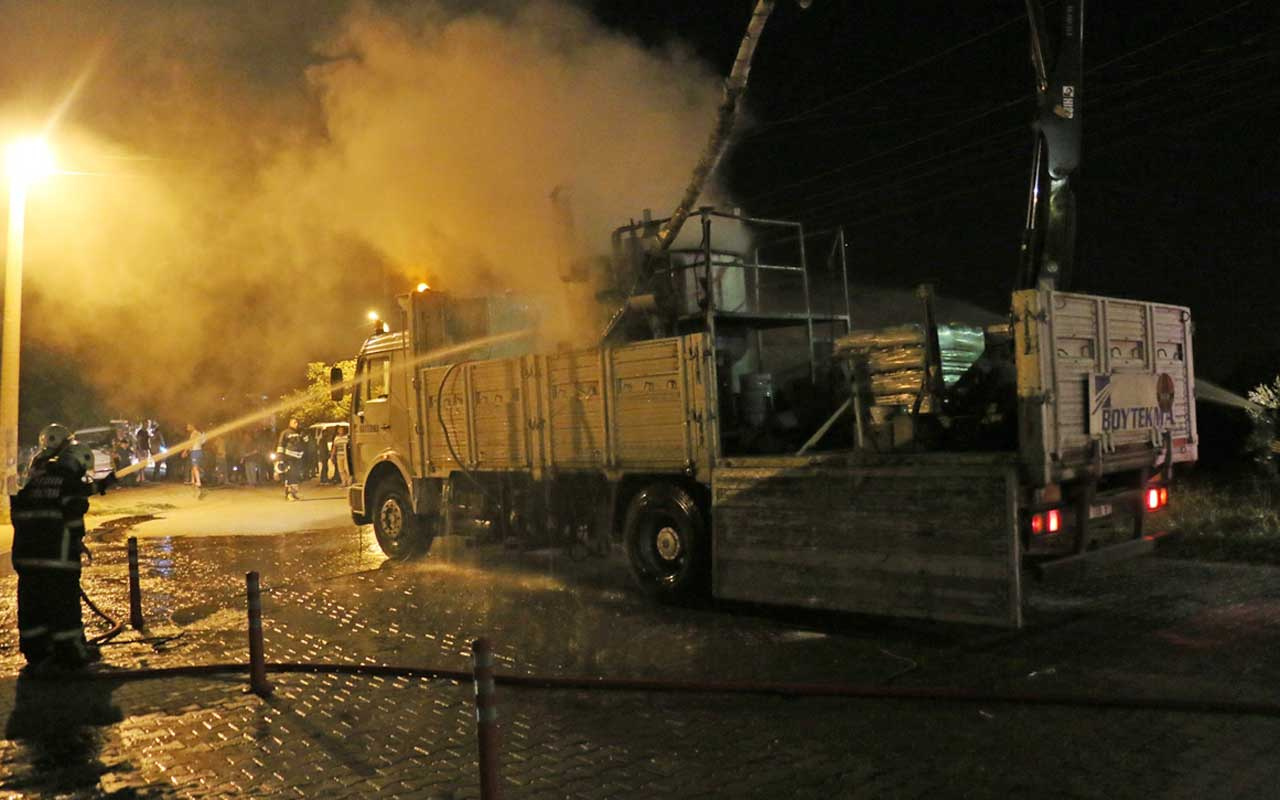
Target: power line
pixel 774 191
pixel 1187 120
pixel 812 212
pixel 1173 35
pixel 896 74
pixel 896 148
pixel 1106 100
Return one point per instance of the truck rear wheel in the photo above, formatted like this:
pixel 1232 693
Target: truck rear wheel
pixel 667 543
pixel 401 533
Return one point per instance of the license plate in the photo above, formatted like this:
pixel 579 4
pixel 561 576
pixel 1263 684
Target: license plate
pixel 1103 510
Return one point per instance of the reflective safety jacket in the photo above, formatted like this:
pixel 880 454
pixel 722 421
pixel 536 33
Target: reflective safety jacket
pixel 290 444
pixel 48 519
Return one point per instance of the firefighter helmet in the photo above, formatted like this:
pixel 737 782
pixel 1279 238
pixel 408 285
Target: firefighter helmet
pixel 79 457
pixel 53 437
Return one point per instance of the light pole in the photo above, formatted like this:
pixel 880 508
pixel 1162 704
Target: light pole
pixel 26 161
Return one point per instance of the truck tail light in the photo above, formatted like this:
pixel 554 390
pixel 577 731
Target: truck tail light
pixel 1046 522
pixel 1157 497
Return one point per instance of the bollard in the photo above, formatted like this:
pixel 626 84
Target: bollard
pixel 258 683
pixel 135 588
pixel 486 718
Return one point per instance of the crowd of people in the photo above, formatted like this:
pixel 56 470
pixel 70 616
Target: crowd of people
pixel 247 457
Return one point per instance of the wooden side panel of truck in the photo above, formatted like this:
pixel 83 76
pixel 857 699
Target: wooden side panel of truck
pixel 633 408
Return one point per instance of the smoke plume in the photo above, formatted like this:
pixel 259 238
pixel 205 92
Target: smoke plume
pixel 248 179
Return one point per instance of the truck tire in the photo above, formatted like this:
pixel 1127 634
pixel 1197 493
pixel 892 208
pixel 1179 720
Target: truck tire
pixel 667 544
pixel 401 533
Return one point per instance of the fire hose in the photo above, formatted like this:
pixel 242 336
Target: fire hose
pixel 258 668
pixel 792 690
pixel 116 626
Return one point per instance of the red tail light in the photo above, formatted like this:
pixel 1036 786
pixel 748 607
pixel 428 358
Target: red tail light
pixel 1164 496
pixel 1153 499
pixel 1046 522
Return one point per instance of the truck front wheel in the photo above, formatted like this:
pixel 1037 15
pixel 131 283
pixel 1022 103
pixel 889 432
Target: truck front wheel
pixel 667 544
pixel 401 533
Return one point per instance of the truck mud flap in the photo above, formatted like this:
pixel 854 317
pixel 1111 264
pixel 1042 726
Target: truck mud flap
pixel 933 541
pixel 1073 565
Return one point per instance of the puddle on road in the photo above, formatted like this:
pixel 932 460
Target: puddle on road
pixel 114 529
pixel 225 619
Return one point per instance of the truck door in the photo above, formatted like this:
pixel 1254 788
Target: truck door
pixel 380 409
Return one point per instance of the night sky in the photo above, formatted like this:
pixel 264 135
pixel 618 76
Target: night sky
pixel 908 123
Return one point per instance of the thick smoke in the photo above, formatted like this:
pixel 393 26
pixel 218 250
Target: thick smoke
pixel 252 177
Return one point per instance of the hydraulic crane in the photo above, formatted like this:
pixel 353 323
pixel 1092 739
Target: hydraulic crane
pixel 1049 238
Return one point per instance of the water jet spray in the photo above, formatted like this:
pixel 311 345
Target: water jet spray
pixel 249 419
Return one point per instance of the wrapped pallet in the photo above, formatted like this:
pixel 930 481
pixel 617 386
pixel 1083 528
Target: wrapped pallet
pixel 894 358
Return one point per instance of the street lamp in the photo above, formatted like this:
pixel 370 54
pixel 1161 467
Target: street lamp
pixel 26 162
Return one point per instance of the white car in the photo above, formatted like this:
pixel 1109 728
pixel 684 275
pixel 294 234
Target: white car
pixel 100 441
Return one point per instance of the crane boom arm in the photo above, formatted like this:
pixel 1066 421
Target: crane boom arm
pixel 734 88
pixel 1048 242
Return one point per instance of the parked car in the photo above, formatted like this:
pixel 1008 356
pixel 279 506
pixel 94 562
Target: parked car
pixel 101 441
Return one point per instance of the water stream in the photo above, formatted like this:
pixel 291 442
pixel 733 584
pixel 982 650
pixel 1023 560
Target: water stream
pixel 1212 393
pixel 249 419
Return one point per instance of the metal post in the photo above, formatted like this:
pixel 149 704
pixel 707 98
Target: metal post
pixel 11 346
pixel 711 290
pixel 486 718
pixel 258 683
pixel 844 281
pixel 135 588
pixel 808 309
pixel 758 310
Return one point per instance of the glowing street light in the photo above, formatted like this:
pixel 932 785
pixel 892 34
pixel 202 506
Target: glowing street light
pixel 422 287
pixel 26 161
pixel 373 316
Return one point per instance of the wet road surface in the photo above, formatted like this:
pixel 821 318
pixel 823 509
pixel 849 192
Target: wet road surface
pixel 1149 627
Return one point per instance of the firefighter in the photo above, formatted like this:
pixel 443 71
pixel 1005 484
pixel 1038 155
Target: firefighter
pixel 289 452
pixel 48 539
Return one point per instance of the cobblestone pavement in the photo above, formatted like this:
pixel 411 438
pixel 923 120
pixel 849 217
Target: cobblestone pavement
pixel 1152 626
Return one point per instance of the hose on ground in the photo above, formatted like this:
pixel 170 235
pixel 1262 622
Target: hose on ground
pixel 116 626
pixel 795 690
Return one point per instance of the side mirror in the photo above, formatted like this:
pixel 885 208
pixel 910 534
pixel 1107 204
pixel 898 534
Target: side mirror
pixel 335 384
